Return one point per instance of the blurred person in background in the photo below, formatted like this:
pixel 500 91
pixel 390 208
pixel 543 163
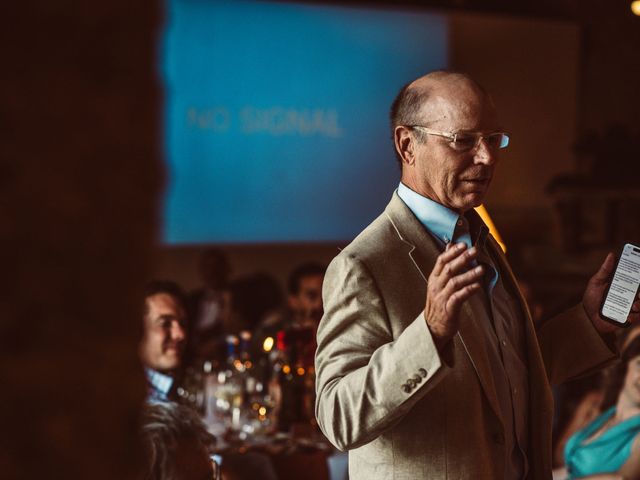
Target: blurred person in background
pixel 608 448
pixel 577 403
pixel 286 336
pixel 177 445
pixel 255 297
pixel 162 344
pixel 305 294
pixel 210 305
pixel 305 312
pixel 304 303
pixel 177 440
pixel 584 399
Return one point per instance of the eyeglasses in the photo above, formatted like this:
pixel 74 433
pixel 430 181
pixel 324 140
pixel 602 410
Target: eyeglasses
pixel 465 141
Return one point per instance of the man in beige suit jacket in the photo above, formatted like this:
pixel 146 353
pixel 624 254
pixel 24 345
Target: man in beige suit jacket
pixel 428 366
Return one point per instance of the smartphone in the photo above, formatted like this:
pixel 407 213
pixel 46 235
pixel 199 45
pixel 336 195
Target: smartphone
pixel 623 288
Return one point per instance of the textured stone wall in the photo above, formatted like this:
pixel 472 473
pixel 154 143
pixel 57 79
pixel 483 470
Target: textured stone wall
pixel 80 177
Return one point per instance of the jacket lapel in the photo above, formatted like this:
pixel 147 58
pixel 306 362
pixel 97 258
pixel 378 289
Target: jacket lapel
pixel 473 337
pixel 534 357
pixel 423 251
pixel 540 398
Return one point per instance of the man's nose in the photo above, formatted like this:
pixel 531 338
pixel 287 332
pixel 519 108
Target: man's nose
pixel 177 331
pixel 484 154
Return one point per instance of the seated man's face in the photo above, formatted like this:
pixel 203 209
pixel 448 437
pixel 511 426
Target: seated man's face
pixel 164 335
pixel 307 304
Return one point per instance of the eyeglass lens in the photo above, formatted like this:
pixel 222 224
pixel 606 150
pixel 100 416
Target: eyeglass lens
pixel 467 141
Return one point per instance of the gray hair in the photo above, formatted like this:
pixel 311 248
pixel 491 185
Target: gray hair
pixel 405 110
pixel 164 427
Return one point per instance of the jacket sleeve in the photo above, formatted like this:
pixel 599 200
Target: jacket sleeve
pixel 367 380
pixel 571 347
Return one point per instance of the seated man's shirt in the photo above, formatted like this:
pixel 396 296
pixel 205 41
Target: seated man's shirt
pixel 159 386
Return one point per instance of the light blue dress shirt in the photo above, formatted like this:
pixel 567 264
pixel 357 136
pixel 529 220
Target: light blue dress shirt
pixel 159 386
pixel 441 222
pixel 436 218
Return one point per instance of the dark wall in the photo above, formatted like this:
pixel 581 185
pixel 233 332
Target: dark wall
pixel 80 177
pixel 610 76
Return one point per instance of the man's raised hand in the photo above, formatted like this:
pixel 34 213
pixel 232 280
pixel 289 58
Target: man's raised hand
pixel 452 280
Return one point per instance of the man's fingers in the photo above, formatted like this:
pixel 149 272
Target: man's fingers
pixel 606 269
pixel 457 259
pixel 459 282
pixel 459 296
pixel 463 261
pixel 452 251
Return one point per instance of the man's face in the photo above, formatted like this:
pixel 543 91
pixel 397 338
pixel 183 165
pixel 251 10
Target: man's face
pixel 164 335
pixel 457 180
pixel 307 304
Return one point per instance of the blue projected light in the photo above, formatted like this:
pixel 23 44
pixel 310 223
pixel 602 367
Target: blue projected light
pixel 275 122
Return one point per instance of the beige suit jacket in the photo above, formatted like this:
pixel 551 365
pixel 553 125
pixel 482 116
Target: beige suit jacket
pixel 373 339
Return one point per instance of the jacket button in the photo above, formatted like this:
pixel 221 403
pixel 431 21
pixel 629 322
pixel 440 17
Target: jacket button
pixel 406 388
pixel 422 372
pixel 417 379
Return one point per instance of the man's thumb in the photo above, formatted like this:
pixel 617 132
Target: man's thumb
pixel 603 274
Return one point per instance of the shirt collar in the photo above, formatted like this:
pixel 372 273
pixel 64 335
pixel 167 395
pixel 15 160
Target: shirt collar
pixel 436 218
pixel 160 385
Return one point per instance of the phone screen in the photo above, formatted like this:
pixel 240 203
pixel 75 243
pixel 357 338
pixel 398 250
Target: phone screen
pixel 624 285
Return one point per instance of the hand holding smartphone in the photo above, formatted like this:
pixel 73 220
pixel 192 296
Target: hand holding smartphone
pixel 623 288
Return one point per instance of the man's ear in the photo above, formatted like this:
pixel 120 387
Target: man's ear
pixel 405 144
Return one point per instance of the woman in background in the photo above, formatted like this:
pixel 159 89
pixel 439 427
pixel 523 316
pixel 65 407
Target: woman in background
pixel 608 448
